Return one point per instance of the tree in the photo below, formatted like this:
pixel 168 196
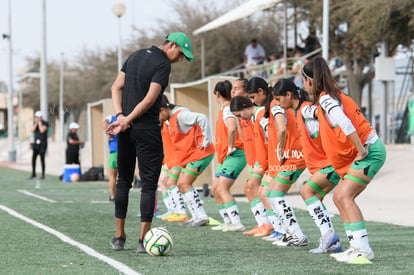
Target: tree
pixel 90 77
pixel 224 47
pixel 87 81
pixel 31 86
pixel 356 28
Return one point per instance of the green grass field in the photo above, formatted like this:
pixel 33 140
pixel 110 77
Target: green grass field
pixel 82 213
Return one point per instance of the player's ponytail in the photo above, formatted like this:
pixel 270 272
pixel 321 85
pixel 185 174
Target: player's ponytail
pixel 223 90
pixel 165 103
pixel 317 70
pixel 285 85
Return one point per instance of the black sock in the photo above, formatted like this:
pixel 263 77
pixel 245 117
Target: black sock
pixel 140 241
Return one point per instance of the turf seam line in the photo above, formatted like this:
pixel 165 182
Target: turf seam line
pixel 88 250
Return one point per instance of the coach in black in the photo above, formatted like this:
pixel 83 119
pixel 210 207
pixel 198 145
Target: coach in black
pixel 136 96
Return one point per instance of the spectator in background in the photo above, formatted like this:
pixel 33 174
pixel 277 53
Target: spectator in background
pixel 254 54
pixel 73 145
pixel 39 146
pixel 311 41
pixel 273 64
pixel 297 62
pixel 285 65
pixel 112 159
pixel 295 70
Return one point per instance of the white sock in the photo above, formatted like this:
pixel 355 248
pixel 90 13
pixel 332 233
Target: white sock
pixel 179 207
pixel 276 221
pixel 255 211
pixel 319 214
pixel 173 200
pixel 194 204
pixel 223 214
pixel 167 200
pixel 348 233
pixel 233 212
pixel 259 212
pixel 263 215
pixel 188 200
pixel 361 239
pixel 360 236
pixel 288 215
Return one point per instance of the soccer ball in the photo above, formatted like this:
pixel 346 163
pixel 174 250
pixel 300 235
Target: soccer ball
pixel 158 241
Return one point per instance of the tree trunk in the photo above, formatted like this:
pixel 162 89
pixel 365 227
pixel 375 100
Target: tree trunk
pixel 355 90
pixel 354 83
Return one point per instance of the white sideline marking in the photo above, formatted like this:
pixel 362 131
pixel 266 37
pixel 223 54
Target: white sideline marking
pixel 36 196
pixel 100 202
pixel 117 265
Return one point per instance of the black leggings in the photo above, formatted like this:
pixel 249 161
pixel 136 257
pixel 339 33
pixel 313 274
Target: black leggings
pixel 146 145
pixel 42 161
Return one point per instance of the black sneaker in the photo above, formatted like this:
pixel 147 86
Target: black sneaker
pixel 31 177
pixel 117 243
pixel 141 248
pixel 42 177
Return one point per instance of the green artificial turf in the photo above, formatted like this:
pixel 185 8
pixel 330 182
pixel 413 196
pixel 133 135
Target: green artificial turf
pixel 82 212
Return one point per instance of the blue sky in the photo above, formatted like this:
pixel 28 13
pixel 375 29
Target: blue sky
pixel 72 25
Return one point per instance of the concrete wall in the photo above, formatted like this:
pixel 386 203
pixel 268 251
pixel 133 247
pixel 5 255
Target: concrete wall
pixel 96 112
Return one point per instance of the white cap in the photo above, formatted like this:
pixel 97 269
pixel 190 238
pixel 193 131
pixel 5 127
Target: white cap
pixel 38 114
pixel 73 125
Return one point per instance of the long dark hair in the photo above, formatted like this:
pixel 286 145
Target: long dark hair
pixel 253 87
pixel 238 103
pixel 228 85
pixel 322 81
pixel 285 85
pixel 165 103
pixel 223 89
pixel 244 81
